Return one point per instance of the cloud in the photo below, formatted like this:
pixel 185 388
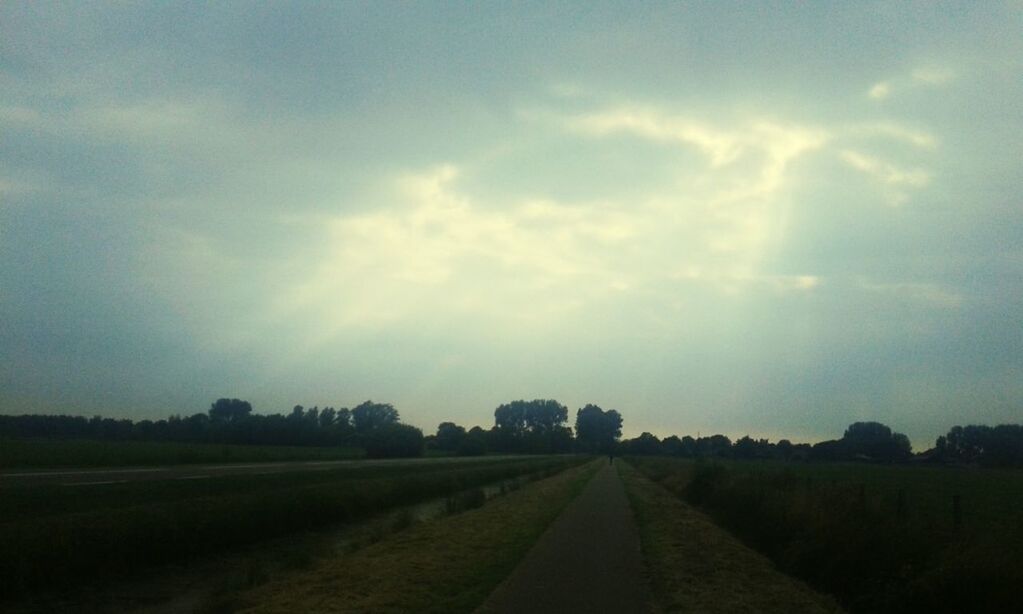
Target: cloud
pixel 722 148
pixel 916 137
pixel 441 250
pixel 927 77
pixel 880 91
pixel 895 179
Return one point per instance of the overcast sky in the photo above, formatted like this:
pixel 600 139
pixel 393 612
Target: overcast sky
pixel 769 219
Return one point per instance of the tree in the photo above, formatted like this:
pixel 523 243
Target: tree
pixel 545 415
pixel 394 440
pixel 784 449
pixel 449 436
pixel 511 418
pixel 715 445
pixel 530 426
pixel 597 430
pixel 874 440
pixel 229 410
pixel 327 417
pixel 474 443
pixel 370 416
pixel 671 445
pixel 646 444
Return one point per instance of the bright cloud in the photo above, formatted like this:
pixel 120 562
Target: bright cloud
pixel 926 77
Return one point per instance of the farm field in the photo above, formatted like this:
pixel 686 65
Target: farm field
pixel 52 453
pixel 880 538
pixel 52 536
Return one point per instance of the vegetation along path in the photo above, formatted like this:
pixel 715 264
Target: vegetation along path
pixel 588 560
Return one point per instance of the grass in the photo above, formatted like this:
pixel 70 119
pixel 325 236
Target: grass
pixel 154 523
pixel 55 453
pixel 695 566
pixel 880 538
pixel 35 500
pixel 450 565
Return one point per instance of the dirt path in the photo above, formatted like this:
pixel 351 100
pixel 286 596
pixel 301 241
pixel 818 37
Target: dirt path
pixel 588 560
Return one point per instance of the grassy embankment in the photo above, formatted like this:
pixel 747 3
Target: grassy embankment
pixel 450 565
pixel 880 538
pixel 696 566
pixel 54 537
pixel 53 453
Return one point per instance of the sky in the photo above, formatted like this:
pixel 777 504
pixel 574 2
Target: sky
pixel 772 219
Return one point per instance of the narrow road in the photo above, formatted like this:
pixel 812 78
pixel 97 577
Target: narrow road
pixel 588 560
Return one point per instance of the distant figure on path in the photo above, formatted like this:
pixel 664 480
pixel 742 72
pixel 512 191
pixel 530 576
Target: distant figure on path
pixel 610 458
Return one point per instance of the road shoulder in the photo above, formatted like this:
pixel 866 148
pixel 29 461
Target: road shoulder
pixel 697 566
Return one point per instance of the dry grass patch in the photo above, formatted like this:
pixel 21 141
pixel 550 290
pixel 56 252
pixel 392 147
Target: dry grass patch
pixel 449 565
pixel 696 566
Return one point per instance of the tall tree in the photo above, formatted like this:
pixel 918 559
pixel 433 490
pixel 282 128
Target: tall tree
pixel 229 410
pixel 370 416
pixel 597 430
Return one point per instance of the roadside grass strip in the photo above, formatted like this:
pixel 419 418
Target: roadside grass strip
pixel 448 565
pixel 696 566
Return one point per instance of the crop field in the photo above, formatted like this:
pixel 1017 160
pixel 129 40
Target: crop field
pixel 54 536
pixel 49 453
pixel 880 538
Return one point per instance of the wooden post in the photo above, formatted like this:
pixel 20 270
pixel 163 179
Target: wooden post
pixel 957 512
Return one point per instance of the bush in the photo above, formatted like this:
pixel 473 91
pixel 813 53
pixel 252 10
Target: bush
pixel 394 441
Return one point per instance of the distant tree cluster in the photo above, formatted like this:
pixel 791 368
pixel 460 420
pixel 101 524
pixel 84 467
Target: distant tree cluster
pixel 865 441
pixel 533 427
pixel 373 426
pixel 991 446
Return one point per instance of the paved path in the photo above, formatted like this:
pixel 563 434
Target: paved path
pixel 588 560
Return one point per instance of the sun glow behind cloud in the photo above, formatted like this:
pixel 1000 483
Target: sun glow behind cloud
pixel 436 249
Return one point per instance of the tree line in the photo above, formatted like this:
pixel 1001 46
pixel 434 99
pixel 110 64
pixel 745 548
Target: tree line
pixel 376 427
pixel 539 426
pixel 870 441
pixel 991 446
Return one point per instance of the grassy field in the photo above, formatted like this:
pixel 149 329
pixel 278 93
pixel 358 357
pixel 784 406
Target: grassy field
pixel 53 453
pixel 696 566
pixel 881 538
pixel 53 537
pixel 447 566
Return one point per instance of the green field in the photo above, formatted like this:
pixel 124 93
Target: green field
pixel 881 538
pixel 54 536
pixel 53 453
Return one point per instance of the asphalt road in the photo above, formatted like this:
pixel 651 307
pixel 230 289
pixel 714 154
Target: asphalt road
pixel 588 560
pixel 116 475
